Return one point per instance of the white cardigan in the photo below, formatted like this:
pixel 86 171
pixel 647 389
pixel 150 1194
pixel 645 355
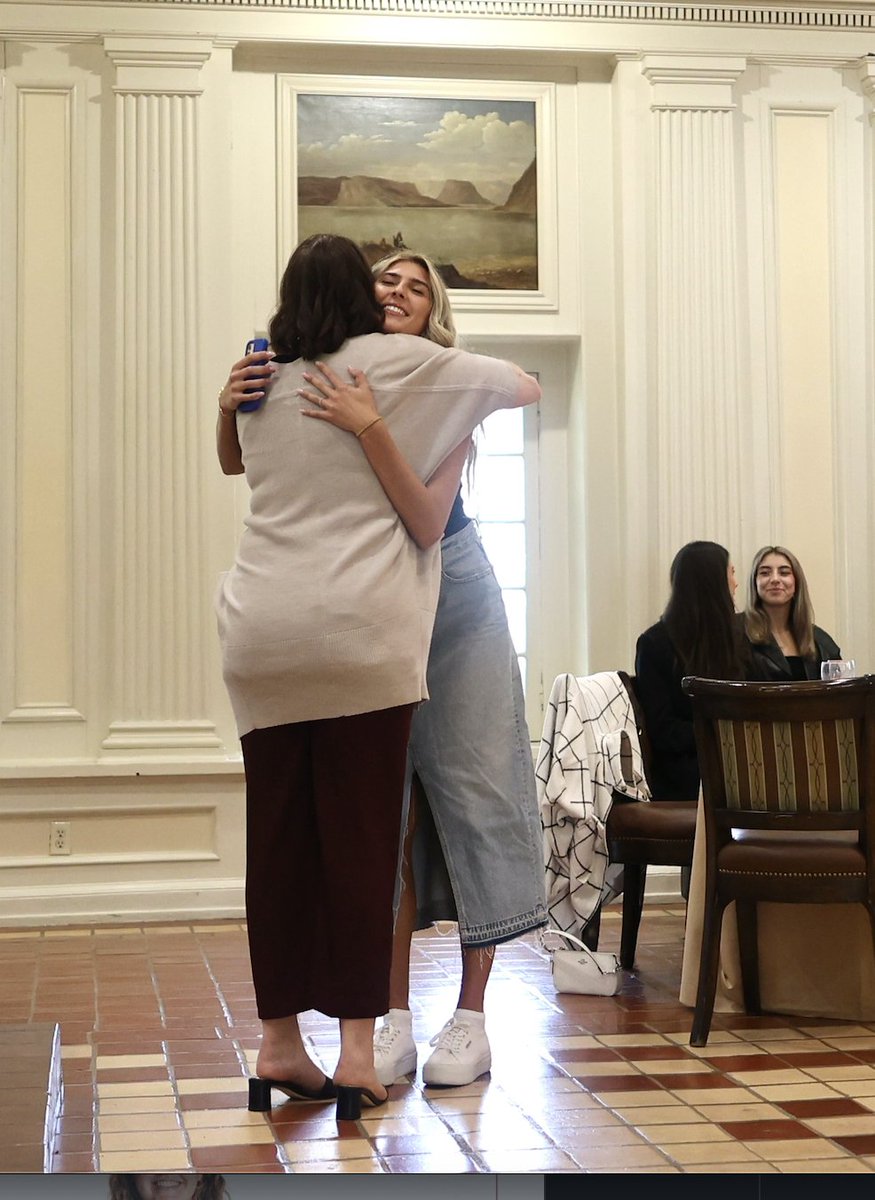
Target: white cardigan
pixel 589 749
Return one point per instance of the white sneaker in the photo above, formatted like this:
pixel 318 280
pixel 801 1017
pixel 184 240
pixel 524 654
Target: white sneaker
pixel 461 1051
pixel 394 1047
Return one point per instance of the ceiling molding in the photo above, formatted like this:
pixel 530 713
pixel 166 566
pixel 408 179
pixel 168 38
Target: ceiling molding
pixel 845 16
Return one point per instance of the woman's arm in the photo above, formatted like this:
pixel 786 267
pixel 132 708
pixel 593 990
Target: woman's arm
pixel 528 388
pixel 423 507
pixel 231 397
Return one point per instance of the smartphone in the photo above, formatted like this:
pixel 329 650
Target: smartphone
pixel 256 343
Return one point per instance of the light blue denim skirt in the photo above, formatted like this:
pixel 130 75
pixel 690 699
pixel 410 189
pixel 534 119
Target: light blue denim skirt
pixel 477 853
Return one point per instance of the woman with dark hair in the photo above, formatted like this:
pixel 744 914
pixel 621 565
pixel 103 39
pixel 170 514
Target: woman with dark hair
pixel 325 623
pixel 698 634
pixel 785 643
pixel 168 1185
pixel 473 850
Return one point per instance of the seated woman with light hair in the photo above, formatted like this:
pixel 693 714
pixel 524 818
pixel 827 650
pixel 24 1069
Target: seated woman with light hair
pixel 786 646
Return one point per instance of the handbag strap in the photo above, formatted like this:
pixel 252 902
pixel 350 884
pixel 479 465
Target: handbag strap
pixel 545 933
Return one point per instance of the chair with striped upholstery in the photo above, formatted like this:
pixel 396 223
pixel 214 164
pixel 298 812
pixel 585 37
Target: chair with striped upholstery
pixel 788 783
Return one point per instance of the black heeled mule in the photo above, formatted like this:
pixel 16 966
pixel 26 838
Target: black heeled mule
pixel 350 1100
pixel 259 1092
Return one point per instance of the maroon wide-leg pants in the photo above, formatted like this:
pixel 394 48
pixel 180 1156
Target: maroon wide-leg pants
pixel 323 823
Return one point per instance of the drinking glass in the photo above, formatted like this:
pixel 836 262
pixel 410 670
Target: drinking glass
pixel 835 669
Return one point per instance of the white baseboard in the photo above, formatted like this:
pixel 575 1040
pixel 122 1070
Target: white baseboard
pixel 122 904
pixel 197 900
pixel 663 884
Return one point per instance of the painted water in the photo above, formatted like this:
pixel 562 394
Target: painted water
pixel 489 248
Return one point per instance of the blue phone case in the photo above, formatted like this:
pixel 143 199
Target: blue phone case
pixel 251 347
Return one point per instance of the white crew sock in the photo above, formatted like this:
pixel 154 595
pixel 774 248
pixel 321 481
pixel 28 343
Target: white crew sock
pixel 469 1016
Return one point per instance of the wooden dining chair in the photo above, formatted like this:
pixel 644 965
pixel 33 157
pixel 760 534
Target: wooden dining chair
pixel 642 834
pixel 786 770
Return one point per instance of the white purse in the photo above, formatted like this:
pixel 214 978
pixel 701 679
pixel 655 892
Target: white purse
pixel 582 971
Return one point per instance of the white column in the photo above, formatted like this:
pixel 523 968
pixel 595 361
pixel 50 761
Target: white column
pixel 695 380
pixel 162 605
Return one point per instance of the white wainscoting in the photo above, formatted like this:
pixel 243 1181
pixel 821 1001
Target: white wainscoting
pixel 708 344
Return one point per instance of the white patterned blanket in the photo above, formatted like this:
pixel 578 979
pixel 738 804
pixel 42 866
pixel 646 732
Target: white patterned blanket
pixel 589 750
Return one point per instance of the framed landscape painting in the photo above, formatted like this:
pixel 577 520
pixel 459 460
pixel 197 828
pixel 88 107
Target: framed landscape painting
pixel 457 172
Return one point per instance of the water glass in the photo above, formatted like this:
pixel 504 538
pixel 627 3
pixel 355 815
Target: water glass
pixel 835 669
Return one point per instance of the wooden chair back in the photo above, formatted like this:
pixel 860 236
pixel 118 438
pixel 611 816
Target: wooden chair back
pixel 781 759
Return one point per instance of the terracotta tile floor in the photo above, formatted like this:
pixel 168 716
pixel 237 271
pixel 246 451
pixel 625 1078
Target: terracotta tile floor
pixel 159 1031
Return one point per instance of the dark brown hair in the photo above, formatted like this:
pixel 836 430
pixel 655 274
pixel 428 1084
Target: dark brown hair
pixel 326 296
pixel 210 1187
pixel 700 616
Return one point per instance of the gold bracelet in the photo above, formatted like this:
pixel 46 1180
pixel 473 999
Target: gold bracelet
pixel 221 410
pixel 369 425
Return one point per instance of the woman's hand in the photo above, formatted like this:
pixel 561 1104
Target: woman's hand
pixel 254 370
pixel 349 406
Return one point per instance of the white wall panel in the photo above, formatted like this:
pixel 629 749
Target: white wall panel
pixel 44 659
pixel 805 355
pixel 48 333
pixel 809 332
pixel 710 364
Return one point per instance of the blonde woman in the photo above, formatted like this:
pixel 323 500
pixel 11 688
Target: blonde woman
pixel 785 644
pixel 473 848
pixel 324 622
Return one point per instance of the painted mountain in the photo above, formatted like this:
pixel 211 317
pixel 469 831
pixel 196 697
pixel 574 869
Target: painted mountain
pixel 362 191
pixel 523 196
pixel 474 242
pixel 462 194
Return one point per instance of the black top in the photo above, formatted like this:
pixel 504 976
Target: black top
pixel 458 520
pixel 668 717
pixel 771 665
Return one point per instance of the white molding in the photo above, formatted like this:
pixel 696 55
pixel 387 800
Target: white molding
pixel 31 861
pixel 42 712
pixel 694 81
pixel 542 94
pixel 153 767
pixel 190 900
pixel 795 16
pixel 63 714
pixel 123 903
pixel 663 883
pixel 866 75
pixel 161 735
pixel 761 318
pixel 157 66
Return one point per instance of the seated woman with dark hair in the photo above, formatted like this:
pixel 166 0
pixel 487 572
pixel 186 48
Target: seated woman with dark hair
pixel 785 643
pixel 698 634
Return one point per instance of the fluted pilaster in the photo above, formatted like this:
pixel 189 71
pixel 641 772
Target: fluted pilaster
pixel 695 294
pixel 161 600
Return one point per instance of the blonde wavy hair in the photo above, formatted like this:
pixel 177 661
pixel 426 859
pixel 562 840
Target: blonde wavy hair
pixel 441 328
pixel 756 619
pixel 210 1187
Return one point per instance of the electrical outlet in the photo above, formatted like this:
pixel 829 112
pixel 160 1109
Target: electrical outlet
pixel 59 837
